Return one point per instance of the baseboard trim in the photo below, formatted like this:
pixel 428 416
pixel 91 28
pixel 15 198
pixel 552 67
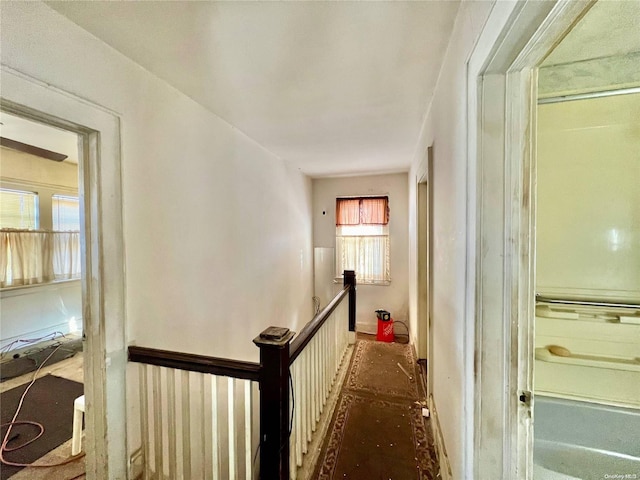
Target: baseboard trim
pixel 441 451
pixel 370 328
pixel 48 331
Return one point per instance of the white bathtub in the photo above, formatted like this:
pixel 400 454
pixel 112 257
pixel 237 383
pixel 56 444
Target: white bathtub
pixel 586 441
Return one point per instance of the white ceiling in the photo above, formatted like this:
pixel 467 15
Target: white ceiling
pixel 332 87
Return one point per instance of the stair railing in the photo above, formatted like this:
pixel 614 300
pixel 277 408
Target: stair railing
pixel 197 412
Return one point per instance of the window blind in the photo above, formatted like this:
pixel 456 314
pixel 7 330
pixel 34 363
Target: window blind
pixel 66 213
pixel 18 209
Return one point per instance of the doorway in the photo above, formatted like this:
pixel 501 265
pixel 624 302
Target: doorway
pixel 587 250
pixel 41 298
pixel 425 274
pixel 103 281
pixel 501 82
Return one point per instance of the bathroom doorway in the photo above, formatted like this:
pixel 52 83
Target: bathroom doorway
pixel 587 250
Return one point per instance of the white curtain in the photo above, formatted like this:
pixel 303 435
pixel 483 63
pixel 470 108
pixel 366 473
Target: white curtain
pixel 30 257
pixel 26 258
pixel 66 255
pixel 367 255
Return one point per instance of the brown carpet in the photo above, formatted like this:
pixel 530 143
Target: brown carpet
pixel 49 402
pixel 377 430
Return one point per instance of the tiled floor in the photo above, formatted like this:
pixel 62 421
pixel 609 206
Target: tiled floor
pixel 377 430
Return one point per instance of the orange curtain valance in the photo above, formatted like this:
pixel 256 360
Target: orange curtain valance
pixel 362 211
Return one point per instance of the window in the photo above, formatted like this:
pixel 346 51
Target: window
pixel 66 213
pixel 362 238
pixel 18 209
pixel 32 253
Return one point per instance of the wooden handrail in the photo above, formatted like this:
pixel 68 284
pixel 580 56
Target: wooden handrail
pixel 272 374
pixel 195 363
pixel 310 329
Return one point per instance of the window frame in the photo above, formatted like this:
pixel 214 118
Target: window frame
pixel 386 234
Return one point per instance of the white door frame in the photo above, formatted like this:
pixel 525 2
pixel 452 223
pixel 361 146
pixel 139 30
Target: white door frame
pixel 501 82
pixel 424 190
pixel 102 260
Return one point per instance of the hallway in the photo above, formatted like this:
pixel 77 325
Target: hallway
pixel 377 430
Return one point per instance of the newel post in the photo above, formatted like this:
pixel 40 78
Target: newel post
pixel 350 279
pixel 274 403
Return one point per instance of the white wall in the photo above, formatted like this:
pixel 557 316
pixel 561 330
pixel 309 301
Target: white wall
pixel 36 171
pixel 217 230
pixel 445 127
pixel 588 200
pixel 393 297
pixel 36 311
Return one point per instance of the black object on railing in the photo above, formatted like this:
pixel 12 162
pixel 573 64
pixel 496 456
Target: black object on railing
pixel 274 405
pixel 350 279
pixel 275 360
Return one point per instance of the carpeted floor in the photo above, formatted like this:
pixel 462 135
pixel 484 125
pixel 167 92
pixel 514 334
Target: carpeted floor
pixel 377 430
pixel 49 402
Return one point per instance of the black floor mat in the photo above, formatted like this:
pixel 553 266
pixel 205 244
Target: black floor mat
pixel 49 402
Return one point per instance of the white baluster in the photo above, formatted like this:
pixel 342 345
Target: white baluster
pixel 298 414
pixel 334 348
pixel 203 429
pixel 309 388
pixel 232 428
pixel 247 429
pixel 327 369
pixel 157 420
pixel 171 421
pixel 318 380
pixel 186 426
pixel 313 379
pixel 323 370
pixel 144 419
pixel 215 441
pixel 305 399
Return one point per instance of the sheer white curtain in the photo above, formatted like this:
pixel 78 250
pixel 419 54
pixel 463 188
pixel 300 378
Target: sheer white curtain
pixel 26 258
pixel 66 255
pixel 33 257
pixel 367 255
